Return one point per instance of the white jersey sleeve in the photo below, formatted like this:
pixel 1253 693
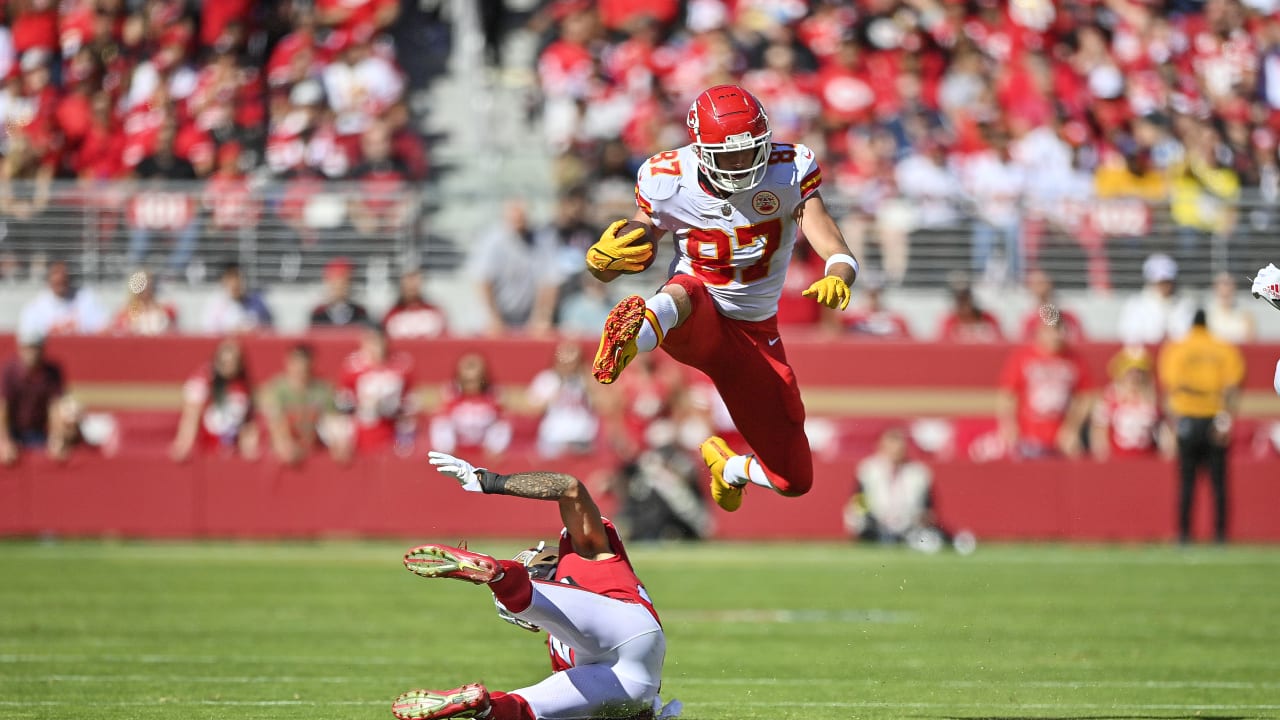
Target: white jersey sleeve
pixel 739 246
pixel 807 169
pixel 657 182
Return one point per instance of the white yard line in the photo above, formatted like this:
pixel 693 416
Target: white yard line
pixel 676 681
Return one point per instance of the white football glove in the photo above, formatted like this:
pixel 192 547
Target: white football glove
pixel 1266 285
pixel 456 468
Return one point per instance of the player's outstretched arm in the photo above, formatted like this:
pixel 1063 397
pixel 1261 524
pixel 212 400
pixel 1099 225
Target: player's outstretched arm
pixel 578 511
pixel 825 238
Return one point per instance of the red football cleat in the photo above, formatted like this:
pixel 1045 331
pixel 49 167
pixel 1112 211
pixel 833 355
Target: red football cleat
pixel 433 561
pixel 618 339
pixel 468 701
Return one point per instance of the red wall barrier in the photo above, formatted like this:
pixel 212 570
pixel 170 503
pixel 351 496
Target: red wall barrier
pixel 818 361
pixel 212 497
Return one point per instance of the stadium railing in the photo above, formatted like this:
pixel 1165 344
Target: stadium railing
pixel 285 232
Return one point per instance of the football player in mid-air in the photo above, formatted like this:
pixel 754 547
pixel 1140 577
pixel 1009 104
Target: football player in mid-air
pixel 733 200
pixel 606 643
pixel 1266 285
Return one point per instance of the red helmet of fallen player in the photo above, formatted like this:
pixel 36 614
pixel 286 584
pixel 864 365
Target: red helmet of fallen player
pixel 731 133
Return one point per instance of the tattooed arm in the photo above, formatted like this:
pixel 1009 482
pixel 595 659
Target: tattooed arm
pixel 579 512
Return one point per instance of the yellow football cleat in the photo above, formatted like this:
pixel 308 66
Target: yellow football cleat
pixel 715 453
pixel 618 339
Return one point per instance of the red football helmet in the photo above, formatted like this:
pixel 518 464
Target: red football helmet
pixel 731 135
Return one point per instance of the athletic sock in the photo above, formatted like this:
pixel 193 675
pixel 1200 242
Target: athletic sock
pixel 742 469
pixel 505 706
pixel 660 315
pixel 513 587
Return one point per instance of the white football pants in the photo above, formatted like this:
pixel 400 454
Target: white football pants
pixel 618 649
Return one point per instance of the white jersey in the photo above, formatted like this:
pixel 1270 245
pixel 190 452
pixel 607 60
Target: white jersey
pixel 739 246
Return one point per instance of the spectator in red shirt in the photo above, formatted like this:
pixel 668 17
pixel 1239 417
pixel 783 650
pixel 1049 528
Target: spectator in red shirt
pixel 303 140
pixel 870 319
pixel 160 207
pixel 216 16
pixel 412 316
pixel 74 112
pixel 1040 285
pixel 968 323
pixel 375 387
pixel 100 154
pixel 34 25
pixel 233 207
pixel 846 96
pixel 227 98
pixel 1128 421
pixel 338 309
pixel 618 14
pixel 383 203
pixel 406 144
pixel 36 105
pixel 217 408
pixel 1044 397
pixel 30 385
pixel 806 268
pixel 471 418
pixel 142 314
pixel 350 15
pixel 296 56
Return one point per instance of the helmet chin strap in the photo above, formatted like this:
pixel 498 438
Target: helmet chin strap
pixel 735 181
pixel 722 180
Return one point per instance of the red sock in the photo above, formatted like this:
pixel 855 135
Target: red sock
pixel 509 707
pixel 515 590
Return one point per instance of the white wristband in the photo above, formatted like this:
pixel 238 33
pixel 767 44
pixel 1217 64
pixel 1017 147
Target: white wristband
pixel 841 258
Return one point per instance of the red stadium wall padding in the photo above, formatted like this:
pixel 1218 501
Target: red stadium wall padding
pixel 818 361
pixel 148 496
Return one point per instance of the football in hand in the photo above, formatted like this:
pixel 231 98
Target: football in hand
pixel 632 226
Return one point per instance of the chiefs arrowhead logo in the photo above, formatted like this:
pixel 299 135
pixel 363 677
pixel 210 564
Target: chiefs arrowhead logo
pixel 765 202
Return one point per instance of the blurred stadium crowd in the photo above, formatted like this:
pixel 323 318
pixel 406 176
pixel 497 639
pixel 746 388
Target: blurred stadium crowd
pixel 1081 135
pixel 1034 117
pixel 94 88
pixel 138 101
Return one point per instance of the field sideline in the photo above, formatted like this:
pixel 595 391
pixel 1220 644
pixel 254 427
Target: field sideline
pixel 321 630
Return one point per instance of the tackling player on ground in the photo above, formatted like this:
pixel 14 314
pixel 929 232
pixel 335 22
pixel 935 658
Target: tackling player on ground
pixel 606 643
pixel 734 201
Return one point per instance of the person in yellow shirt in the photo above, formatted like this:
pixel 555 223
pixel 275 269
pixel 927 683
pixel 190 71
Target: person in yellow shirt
pixel 1131 175
pixel 1203 191
pixel 1201 376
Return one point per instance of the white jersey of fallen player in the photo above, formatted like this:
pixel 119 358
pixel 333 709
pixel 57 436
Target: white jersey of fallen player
pixel 738 246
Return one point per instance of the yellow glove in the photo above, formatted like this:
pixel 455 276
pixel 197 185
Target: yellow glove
pixel 830 291
pixel 617 253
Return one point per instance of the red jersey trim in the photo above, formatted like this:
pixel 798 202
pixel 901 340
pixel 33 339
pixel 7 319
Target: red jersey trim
pixel 811 183
pixel 643 204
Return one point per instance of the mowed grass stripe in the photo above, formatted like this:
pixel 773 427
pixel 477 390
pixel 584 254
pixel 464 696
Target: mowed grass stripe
pixel 776 630
pixel 850 704
pixel 744 681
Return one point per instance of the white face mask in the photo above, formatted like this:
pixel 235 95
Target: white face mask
pixel 711 158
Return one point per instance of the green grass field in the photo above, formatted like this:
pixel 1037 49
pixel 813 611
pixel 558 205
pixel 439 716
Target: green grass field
pixel 336 630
